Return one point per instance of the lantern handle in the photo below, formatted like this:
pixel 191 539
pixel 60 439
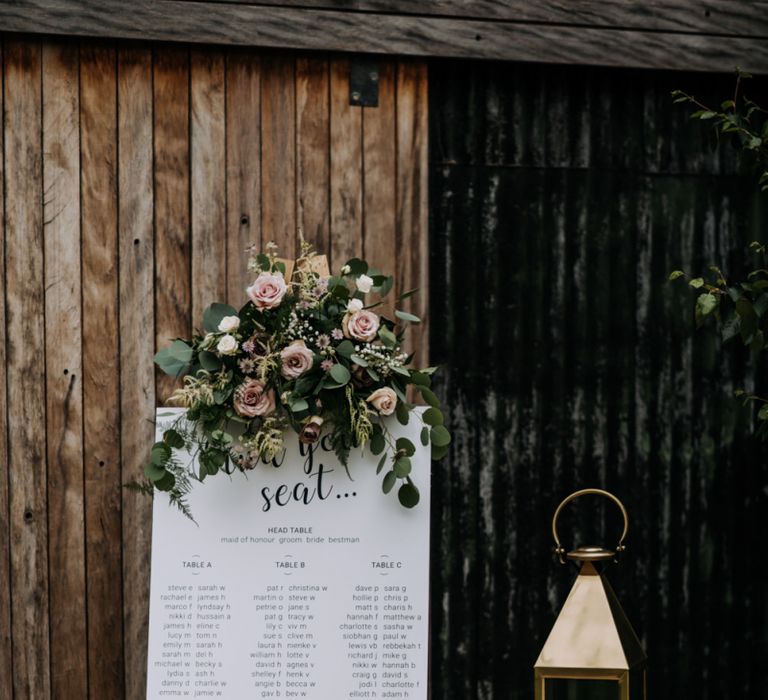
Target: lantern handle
pixel 559 550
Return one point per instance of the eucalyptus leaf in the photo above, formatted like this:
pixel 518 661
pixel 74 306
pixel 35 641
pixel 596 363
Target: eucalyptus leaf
pixel 380 465
pixel 429 397
pixel 153 472
pixel 432 416
pixel 378 444
pixel 340 374
pixel 402 467
pixel 408 495
pixel 403 444
pixel 345 348
pixel 425 436
pixel 405 316
pixel 389 481
pixel 440 436
pixel 214 313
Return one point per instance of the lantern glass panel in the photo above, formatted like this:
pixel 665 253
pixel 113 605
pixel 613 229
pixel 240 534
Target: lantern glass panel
pixel 572 689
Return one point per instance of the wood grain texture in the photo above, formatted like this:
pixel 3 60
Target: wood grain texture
pixel 346 167
pixel 208 179
pixel 64 382
pixel 137 380
pixel 362 32
pixel 278 149
pixel 730 17
pixel 6 655
pixel 173 251
pixel 25 309
pixel 412 199
pixel 313 115
pixel 110 167
pixel 101 361
pixel 243 170
pixel 380 176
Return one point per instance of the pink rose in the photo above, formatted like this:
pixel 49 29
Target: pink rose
pixel 297 359
pixel 361 325
pixel 252 399
pixel 310 433
pixel 267 291
pixel 383 400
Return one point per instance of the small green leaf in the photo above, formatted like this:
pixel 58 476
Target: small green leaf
pixel 340 374
pixel 166 483
pixel 358 360
pixel 762 414
pixel 430 397
pixel 357 267
pixel 154 473
pixel 389 481
pixel 263 262
pixel 214 313
pixel 408 495
pixel 380 465
pixel 345 348
pixel 706 304
pixel 425 436
pixel 439 452
pixel 405 316
pixel 697 282
pixel 402 467
pixel 209 361
pixel 387 337
pixel 440 436
pixel 405 445
pixel 160 453
pixel 299 405
pixel 432 416
pixel 402 413
pixel 378 444
pixel 173 439
pixel 675 274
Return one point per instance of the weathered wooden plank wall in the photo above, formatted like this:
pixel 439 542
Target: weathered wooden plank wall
pixel 133 178
pixel 715 35
pixel 561 200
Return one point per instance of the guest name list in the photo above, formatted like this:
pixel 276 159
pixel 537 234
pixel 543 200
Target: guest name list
pixel 301 580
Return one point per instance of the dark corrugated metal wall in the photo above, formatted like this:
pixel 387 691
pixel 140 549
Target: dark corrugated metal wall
pixel 561 198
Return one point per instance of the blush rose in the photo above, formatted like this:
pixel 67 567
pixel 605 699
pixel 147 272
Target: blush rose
pixel 267 291
pixel 361 325
pixel 252 398
pixel 297 359
pixel 384 400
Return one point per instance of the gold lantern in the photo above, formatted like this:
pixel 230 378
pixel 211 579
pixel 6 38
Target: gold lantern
pixel 592 652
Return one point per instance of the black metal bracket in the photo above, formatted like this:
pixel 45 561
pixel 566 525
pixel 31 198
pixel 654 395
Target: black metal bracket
pixel 364 82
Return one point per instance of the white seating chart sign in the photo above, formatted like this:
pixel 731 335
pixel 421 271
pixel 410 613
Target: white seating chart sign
pixel 299 581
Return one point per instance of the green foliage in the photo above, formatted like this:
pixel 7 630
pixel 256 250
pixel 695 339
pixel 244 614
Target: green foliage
pixel 737 306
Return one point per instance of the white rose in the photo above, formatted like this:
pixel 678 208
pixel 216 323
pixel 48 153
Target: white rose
pixel 229 324
pixel 354 305
pixel 364 283
pixel 227 345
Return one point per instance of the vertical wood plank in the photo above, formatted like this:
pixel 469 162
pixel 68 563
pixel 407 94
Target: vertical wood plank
pixel 412 198
pixel 278 165
pixel 346 169
pixel 243 169
pixel 64 400
pixel 101 361
pixel 25 308
pixel 173 288
pixel 379 176
pixel 208 181
pixel 6 664
pixel 137 389
pixel 313 115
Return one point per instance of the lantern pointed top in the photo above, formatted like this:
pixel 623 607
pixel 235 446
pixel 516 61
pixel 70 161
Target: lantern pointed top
pixel 592 631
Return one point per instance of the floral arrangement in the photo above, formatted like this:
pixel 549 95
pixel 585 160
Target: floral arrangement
pixel 308 352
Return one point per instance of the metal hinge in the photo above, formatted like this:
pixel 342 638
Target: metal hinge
pixel 364 82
